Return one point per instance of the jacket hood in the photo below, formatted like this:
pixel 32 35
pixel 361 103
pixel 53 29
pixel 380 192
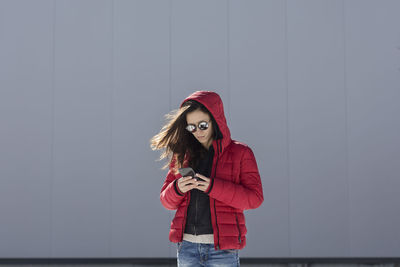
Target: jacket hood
pixel 212 101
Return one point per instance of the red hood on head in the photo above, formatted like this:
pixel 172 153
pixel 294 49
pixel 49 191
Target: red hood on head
pixel 212 101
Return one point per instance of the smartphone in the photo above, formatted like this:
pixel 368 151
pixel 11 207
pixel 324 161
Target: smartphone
pixel 189 172
pixel 186 172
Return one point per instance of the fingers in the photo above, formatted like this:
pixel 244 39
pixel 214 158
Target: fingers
pixel 203 185
pixel 202 177
pixel 186 183
pixel 186 180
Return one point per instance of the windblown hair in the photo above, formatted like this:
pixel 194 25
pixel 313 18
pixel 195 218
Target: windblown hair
pixel 176 141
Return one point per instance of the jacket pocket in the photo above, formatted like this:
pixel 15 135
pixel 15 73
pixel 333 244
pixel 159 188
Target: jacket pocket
pixel 238 227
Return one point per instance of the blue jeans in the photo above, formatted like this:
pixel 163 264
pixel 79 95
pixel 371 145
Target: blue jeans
pixel 193 254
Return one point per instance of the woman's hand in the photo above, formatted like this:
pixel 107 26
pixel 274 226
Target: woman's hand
pixel 186 183
pixel 202 185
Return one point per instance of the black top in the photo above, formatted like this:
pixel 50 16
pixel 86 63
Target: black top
pixel 198 214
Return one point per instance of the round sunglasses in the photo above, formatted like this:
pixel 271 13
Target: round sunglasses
pixel 203 125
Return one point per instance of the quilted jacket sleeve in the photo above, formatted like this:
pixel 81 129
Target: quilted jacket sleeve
pixel 170 195
pixel 248 194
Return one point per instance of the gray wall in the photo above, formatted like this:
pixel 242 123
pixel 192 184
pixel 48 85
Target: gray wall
pixel 312 86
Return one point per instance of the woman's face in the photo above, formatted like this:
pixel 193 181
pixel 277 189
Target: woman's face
pixel 205 137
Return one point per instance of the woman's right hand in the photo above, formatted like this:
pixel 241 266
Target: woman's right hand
pixel 186 183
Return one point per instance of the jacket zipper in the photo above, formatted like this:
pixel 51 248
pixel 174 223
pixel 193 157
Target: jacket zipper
pixel 216 223
pixel 237 223
pixel 215 210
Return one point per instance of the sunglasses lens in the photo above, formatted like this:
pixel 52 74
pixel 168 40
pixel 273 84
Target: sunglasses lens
pixel 191 128
pixel 203 125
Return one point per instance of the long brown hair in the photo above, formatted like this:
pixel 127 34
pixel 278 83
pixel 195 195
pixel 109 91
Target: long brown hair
pixel 176 141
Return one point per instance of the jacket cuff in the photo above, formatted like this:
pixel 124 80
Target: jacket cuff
pixel 177 191
pixel 210 186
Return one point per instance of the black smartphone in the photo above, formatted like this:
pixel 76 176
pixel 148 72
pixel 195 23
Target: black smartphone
pixel 189 172
pixel 186 172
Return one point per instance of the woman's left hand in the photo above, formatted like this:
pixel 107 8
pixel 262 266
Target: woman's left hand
pixel 202 185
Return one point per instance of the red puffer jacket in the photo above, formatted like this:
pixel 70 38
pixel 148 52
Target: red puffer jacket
pixel 235 184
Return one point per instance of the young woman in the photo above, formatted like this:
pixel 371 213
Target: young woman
pixel 209 224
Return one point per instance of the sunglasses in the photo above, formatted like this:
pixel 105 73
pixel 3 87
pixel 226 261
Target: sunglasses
pixel 203 125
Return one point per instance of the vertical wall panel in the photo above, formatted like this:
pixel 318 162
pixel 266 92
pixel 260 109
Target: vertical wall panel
pixel 373 80
pixel 198 49
pixel 141 98
pixel 82 148
pixel 312 86
pixel 317 132
pixel 26 46
pixel 259 115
